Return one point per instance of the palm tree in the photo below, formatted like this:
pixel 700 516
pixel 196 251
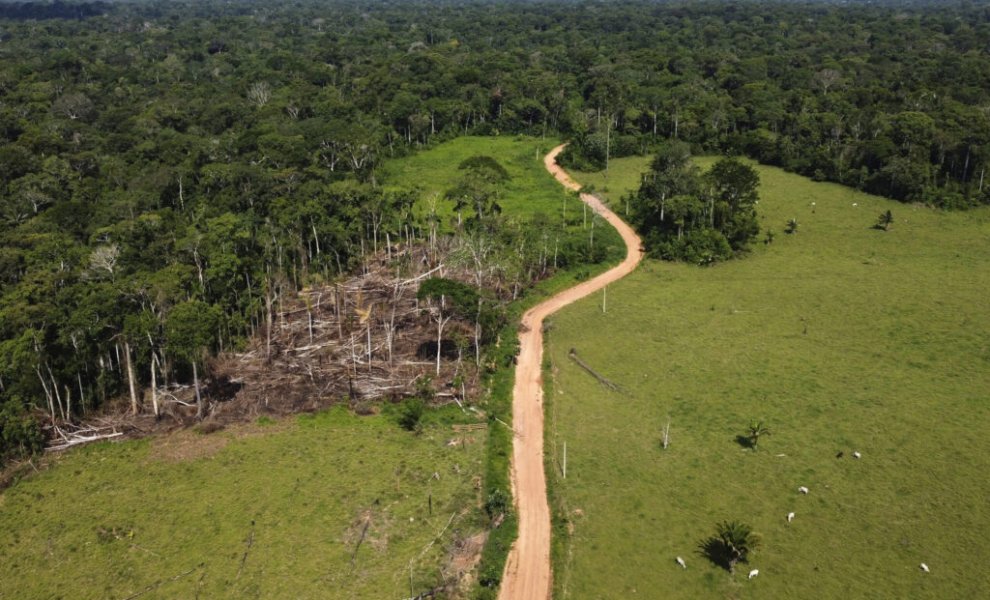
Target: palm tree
pixel 756 429
pixel 884 221
pixel 732 543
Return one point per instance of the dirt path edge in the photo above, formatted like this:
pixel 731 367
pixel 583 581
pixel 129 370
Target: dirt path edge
pixel 527 573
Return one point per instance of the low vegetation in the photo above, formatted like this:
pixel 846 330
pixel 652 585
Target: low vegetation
pixel 321 502
pixel 864 351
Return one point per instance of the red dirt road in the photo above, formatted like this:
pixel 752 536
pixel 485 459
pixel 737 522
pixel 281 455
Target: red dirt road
pixel 527 571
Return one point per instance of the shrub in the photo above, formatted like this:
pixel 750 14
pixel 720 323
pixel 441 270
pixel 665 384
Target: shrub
pixel 411 415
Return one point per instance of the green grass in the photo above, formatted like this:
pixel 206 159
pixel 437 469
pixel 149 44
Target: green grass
pixel 113 519
pixel 621 178
pixel 529 191
pixel 841 337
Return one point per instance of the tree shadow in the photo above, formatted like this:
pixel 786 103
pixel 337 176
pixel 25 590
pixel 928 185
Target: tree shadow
pixel 715 550
pixel 744 441
pixel 428 350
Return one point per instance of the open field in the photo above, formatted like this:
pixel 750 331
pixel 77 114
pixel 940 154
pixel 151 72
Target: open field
pixel 843 338
pixel 530 191
pixel 253 512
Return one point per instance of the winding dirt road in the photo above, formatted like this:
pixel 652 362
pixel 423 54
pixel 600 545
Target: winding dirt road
pixel 527 572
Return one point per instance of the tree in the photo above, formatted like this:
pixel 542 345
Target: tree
pixel 478 189
pixel 757 429
pixel 190 330
pixel 683 215
pixel 733 198
pixel 884 221
pixel 732 543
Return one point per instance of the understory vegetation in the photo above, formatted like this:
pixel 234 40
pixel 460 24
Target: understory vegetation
pixel 864 353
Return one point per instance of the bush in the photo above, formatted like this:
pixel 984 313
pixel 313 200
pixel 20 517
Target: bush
pixel 496 504
pixel 411 415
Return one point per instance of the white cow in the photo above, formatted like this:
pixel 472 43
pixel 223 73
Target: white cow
pixel 753 573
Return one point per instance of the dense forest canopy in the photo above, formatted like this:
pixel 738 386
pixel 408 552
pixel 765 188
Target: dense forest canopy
pixel 168 153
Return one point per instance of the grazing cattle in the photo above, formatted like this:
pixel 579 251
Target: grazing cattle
pixel 924 568
pixel 856 454
pixel 790 517
pixel 681 562
pixel 803 490
pixel 753 573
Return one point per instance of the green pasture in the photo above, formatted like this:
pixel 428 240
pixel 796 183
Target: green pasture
pixel 270 511
pixel 529 191
pixel 841 338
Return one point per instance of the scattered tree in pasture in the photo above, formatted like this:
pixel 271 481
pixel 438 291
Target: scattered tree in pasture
pixel 732 543
pixel 884 221
pixel 757 429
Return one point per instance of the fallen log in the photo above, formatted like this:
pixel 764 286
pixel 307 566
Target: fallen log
pixel 602 380
pixel 76 441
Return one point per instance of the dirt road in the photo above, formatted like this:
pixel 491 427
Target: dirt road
pixel 527 572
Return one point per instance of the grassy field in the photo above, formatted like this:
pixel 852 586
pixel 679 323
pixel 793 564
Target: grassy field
pixel 255 512
pixel 529 191
pixel 843 338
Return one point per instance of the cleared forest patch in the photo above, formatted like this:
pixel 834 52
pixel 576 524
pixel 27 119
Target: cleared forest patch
pixel 841 338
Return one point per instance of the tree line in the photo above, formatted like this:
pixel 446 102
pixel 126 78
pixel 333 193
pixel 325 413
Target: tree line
pixel 211 155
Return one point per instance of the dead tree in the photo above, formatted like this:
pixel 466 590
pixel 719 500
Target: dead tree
pixel 602 380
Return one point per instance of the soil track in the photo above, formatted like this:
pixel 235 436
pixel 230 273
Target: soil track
pixel 527 571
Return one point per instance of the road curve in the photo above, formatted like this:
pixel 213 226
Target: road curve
pixel 527 571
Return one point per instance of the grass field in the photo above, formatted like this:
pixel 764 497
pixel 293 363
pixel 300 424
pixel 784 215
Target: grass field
pixel 842 338
pixel 529 191
pixel 256 512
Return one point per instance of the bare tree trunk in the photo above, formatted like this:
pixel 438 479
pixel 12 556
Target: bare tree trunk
pixel 48 393
pixel 268 317
pixel 154 384
pixel 199 398
pixel 477 336
pixel 58 396
pixel 336 307
pixel 82 394
pixel 130 378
